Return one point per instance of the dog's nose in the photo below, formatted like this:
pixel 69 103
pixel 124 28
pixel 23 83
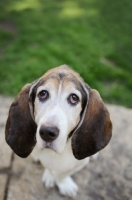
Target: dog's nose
pixel 49 133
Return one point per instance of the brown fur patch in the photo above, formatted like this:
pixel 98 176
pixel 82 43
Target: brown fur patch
pixel 20 127
pixel 95 131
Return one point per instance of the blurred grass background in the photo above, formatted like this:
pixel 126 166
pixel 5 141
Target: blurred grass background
pixel 94 37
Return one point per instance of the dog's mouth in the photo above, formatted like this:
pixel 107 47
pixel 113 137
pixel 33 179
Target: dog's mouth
pixel 47 145
pixel 57 146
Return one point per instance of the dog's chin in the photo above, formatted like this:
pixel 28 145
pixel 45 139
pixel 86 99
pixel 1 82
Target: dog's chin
pixel 51 146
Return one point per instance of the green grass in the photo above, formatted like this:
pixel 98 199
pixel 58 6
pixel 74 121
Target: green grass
pixel 94 37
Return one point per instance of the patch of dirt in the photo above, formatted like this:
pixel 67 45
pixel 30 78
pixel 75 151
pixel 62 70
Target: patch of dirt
pixel 8 26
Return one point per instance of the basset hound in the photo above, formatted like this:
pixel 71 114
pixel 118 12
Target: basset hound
pixel 65 118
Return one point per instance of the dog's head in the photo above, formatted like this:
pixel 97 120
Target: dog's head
pixel 55 107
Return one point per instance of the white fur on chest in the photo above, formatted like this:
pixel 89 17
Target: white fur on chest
pixel 59 163
pixel 59 168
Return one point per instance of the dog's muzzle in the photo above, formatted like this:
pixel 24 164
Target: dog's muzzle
pixel 49 133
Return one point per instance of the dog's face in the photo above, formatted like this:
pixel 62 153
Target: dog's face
pixel 57 106
pixel 57 109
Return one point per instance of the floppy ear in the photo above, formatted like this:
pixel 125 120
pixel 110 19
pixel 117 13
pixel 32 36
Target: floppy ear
pixel 95 130
pixel 20 126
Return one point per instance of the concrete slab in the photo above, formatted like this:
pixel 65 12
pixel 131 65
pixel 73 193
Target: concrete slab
pixel 5 151
pixel 3 182
pixel 108 178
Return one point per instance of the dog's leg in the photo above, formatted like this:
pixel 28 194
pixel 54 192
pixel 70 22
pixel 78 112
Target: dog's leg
pixel 66 184
pixel 67 187
pixel 48 179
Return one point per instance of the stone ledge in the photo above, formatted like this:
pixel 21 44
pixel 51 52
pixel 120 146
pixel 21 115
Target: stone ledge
pixel 108 178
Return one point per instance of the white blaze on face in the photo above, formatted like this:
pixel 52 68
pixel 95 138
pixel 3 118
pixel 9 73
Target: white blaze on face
pixel 57 111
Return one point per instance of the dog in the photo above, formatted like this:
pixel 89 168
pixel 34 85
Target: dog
pixel 66 118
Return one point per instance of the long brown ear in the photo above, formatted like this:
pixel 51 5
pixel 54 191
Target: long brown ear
pixel 95 130
pixel 20 126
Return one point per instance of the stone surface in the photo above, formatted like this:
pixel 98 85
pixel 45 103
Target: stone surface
pixel 3 182
pixel 5 151
pixel 108 178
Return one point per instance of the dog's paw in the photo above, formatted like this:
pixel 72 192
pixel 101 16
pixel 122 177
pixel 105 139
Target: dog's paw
pixel 67 187
pixel 48 179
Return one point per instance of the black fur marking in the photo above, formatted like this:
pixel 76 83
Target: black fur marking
pixel 61 75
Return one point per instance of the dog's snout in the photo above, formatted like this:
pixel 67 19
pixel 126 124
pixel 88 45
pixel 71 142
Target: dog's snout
pixel 49 133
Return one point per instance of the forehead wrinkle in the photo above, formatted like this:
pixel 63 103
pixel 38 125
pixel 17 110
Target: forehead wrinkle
pixel 51 80
pixel 62 79
pixel 58 81
pixel 70 80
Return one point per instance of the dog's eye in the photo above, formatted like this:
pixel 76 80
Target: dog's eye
pixel 73 99
pixel 43 95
